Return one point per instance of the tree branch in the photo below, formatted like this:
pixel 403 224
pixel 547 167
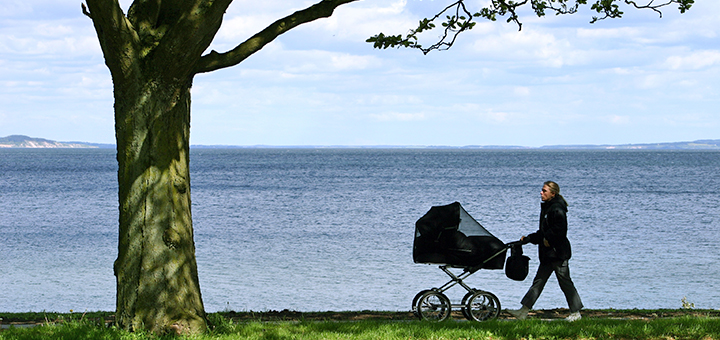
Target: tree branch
pixel 118 39
pixel 611 10
pixel 455 25
pixel 458 23
pixel 214 60
pixel 85 10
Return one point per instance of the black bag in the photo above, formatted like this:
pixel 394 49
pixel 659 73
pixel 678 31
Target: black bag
pixel 517 264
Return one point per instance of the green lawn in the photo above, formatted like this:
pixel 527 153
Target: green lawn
pixel 684 327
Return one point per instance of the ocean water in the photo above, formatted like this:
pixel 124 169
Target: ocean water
pixel 332 229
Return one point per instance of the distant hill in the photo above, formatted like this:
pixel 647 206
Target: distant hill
pixel 19 141
pixel 703 144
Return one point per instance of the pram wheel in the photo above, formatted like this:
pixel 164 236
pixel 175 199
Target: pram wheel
pixel 433 305
pixel 415 300
pixel 480 306
pixel 464 302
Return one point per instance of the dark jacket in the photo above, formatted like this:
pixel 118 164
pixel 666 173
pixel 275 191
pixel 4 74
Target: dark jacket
pixel 553 228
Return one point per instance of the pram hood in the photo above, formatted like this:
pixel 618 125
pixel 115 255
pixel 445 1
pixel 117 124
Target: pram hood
pixel 449 235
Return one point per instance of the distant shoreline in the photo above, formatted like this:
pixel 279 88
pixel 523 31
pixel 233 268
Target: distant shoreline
pixel 25 142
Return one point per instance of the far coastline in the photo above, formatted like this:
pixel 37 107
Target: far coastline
pixel 21 141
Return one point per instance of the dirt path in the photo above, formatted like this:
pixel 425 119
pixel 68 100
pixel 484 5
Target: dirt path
pixel 287 315
pixel 546 314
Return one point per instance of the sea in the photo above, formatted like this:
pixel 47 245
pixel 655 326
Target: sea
pixel 331 229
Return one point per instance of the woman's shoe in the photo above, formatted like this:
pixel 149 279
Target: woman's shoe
pixel 520 314
pixel 574 317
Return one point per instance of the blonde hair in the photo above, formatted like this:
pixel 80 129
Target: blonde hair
pixel 555 189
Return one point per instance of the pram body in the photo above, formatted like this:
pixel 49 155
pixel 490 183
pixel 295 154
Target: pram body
pixel 449 237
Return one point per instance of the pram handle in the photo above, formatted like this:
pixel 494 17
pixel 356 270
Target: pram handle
pixel 514 243
pixel 507 246
pixel 522 241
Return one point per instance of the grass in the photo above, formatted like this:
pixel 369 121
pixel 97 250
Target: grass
pixel 685 327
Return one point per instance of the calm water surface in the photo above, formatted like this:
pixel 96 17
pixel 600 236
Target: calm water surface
pixel 331 229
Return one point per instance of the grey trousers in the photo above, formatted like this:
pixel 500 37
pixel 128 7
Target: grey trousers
pixel 562 272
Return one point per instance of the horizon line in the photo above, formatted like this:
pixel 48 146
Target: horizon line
pixel 696 144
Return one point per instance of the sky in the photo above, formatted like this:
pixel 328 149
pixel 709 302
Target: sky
pixel 558 81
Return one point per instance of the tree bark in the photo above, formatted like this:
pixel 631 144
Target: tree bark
pixel 157 281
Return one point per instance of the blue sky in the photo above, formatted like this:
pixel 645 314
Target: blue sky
pixel 561 80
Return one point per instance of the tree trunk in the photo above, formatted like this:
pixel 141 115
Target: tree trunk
pixel 157 281
pixel 153 54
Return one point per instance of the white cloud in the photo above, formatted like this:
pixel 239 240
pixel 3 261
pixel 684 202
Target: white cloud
pixel 398 116
pixel 352 62
pixel 608 33
pixel 384 100
pixel 236 29
pixel 494 116
pixel 618 120
pixel 623 71
pixel 535 46
pixel 359 21
pixel 54 29
pixel 318 61
pixel 521 91
pixel 354 22
pixel 61 38
pixel 694 61
pixel 9 7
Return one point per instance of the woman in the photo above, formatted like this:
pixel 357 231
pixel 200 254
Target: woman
pixel 554 250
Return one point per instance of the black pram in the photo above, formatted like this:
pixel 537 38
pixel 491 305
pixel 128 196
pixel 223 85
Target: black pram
pixel 447 235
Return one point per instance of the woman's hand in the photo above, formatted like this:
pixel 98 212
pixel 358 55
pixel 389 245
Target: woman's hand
pixel 546 243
